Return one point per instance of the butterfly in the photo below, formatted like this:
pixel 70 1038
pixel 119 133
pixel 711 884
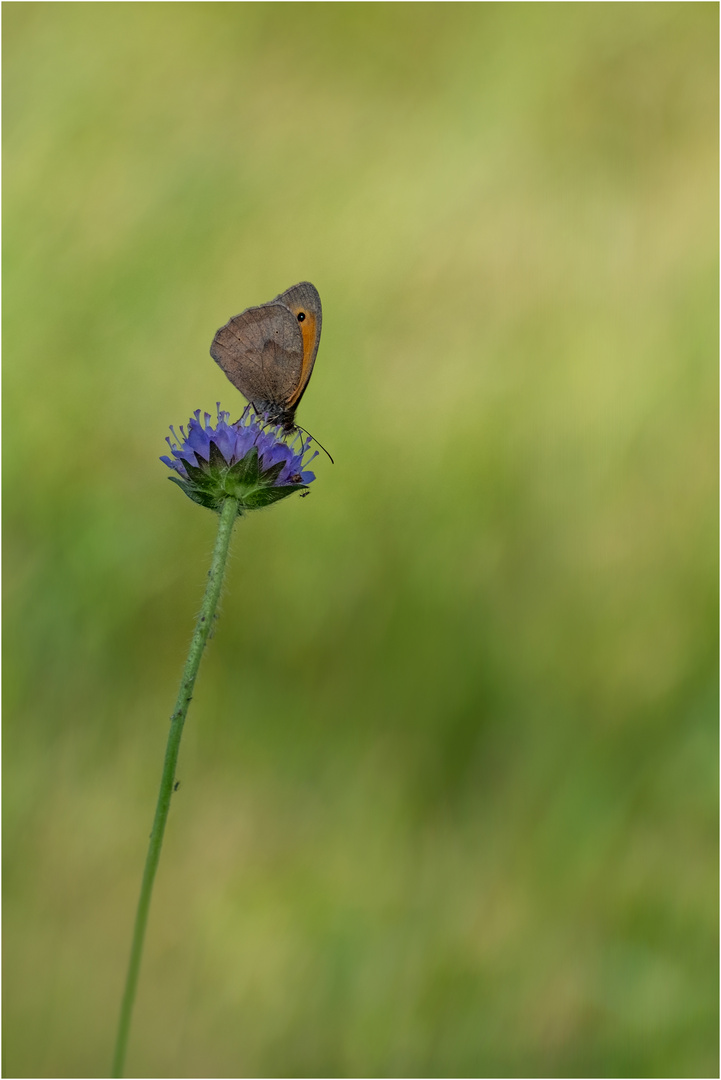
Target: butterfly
pixel 268 352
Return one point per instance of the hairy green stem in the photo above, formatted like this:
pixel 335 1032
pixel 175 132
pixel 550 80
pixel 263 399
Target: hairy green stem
pixel 200 636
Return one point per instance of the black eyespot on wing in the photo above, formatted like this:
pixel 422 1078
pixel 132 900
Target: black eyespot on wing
pixel 301 316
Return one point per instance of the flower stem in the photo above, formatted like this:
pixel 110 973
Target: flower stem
pixel 203 626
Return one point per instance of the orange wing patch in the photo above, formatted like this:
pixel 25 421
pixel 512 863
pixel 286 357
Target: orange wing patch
pixel 307 329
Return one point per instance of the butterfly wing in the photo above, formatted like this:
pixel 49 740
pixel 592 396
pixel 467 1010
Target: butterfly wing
pixel 303 300
pixel 262 353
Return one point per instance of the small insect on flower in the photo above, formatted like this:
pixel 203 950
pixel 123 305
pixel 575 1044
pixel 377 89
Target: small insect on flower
pixel 251 461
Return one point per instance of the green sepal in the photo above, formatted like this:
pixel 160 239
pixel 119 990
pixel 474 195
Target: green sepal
pixel 190 490
pixel 198 476
pixel 266 496
pixel 269 476
pixel 217 461
pixel 247 470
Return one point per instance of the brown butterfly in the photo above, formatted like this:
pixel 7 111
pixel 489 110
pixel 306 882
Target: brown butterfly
pixel 268 352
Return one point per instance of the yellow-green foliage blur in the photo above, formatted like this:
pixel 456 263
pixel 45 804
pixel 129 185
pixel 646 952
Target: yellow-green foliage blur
pixel 448 783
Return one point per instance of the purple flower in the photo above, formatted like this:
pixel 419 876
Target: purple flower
pixel 248 460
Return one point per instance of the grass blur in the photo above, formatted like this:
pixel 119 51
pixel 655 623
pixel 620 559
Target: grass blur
pixel 448 784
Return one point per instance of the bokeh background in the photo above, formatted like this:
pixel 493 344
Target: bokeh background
pixel 448 786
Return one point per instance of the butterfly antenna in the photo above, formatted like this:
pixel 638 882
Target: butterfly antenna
pixel 316 442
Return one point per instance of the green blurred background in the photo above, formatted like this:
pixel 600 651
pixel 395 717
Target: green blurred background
pixel 448 787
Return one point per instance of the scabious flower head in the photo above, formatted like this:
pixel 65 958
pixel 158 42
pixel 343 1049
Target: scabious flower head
pixel 249 460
